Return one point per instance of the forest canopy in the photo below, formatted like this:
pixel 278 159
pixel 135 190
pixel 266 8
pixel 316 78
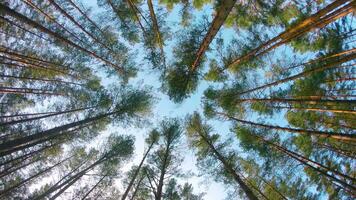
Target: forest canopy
pixel 177 99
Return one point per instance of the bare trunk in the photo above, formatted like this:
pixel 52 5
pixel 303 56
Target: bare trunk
pixel 55 35
pixel 218 21
pixel 334 135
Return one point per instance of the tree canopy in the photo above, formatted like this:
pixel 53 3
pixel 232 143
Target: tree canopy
pixel 177 99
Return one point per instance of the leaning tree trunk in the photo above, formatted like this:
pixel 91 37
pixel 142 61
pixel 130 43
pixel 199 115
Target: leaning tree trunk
pixel 7 146
pixel 24 19
pixel 334 64
pixel 136 173
pixel 9 189
pixel 44 116
pixel 224 10
pixel 316 20
pixel 80 26
pixel 334 135
pixel 250 195
pixel 312 164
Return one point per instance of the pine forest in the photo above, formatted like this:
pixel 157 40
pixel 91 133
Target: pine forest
pixel 177 99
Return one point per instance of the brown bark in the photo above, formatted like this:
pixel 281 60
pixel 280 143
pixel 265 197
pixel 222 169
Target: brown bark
pixel 31 4
pixel 19 27
pixel 156 28
pixel 8 147
pixel 55 35
pixel 218 21
pixel 319 19
pixel 345 59
pixel 17 56
pixel 317 109
pixel 86 16
pixel 334 135
pixel 80 26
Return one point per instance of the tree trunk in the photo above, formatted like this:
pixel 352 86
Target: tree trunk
pixel 22 78
pixel 36 91
pixel 136 173
pixel 9 189
pixel 156 27
pixel 163 173
pixel 55 35
pixel 345 59
pixel 312 164
pixel 219 19
pixel 45 116
pixel 93 187
pixel 11 52
pixel 7 146
pixel 304 26
pixel 250 195
pixel 136 188
pixel 300 101
pixel 317 109
pixel 338 136
pixel 54 187
pixel 80 26
pixel 86 16
pixel 31 4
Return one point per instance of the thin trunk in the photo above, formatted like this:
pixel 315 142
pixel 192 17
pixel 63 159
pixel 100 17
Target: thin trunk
pixel 31 4
pixel 163 173
pixel 24 157
pixel 339 151
pixel 136 188
pixel 316 20
pixel 312 164
pixel 80 26
pixel 13 169
pixel 273 188
pixel 39 79
pixel 250 195
pixel 345 59
pixel 25 114
pixel 300 101
pixel 44 140
pixel 12 52
pixel 7 146
pixel 45 116
pixel 136 173
pixel 19 27
pixel 340 80
pixel 33 24
pixel 96 185
pixel 320 59
pixel 135 10
pixel 219 19
pixel 156 28
pixel 317 109
pixel 68 183
pixel 54 187
pixel 25 64
pixel 86 16
pixel 334 135
pixel 9 189
pixel 36 91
